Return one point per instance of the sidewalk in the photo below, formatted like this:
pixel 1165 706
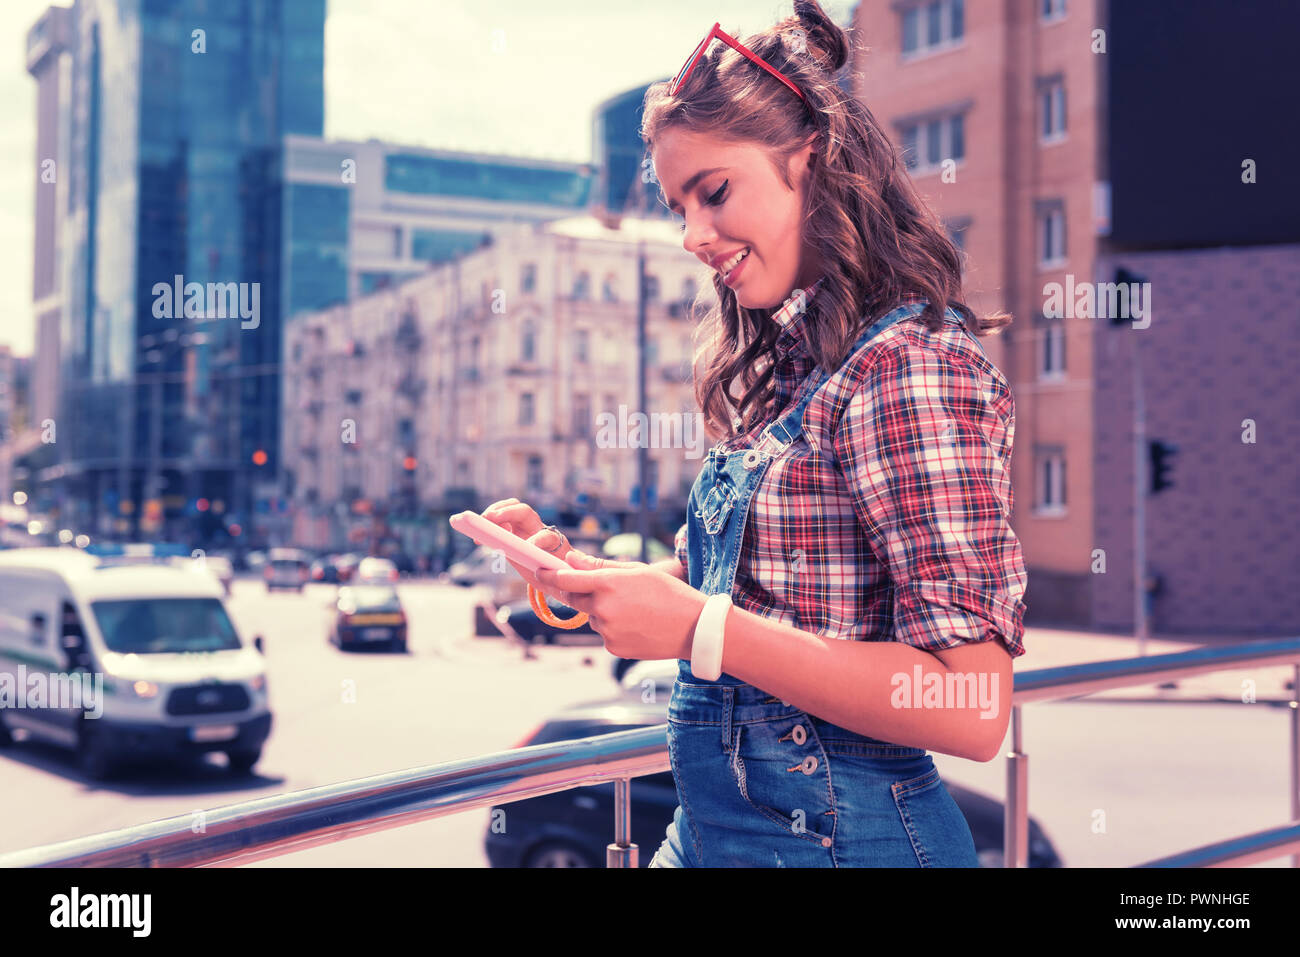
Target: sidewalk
pixel 1052 647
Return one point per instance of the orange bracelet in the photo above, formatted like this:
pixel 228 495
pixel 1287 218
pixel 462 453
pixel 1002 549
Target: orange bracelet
pixel 536 599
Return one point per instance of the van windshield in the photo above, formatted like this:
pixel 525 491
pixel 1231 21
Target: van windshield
pixel 165 625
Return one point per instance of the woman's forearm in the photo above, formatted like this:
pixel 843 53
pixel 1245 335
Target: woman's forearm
pixel 867 686
pixel 672 566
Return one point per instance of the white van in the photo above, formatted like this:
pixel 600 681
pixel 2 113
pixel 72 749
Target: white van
pixel 113 652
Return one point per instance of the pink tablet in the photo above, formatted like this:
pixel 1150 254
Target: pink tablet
pixel 520 551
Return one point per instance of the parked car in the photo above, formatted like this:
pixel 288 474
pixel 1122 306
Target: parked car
pixel 325 570
pixel 347 565
pixel 572 828
pixel 372 569
pixel 368 615
pixel 519 615
pixel 476 568
pixel 286 568
pixel 405 563
pixel 255 560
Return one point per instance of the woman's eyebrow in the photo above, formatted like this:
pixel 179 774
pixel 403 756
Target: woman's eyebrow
pixel 691 183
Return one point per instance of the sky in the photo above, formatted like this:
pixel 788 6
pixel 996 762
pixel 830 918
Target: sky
pixel 519 77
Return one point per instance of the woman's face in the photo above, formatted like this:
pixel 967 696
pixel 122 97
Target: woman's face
pixel 739 203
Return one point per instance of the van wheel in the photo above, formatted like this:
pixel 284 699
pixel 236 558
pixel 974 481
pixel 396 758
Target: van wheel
pixel 92 757
pixel 241 762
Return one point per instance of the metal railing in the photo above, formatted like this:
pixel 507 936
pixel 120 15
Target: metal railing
pixel 282 824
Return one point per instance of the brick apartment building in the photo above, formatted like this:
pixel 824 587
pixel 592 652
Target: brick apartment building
pixel 1065 141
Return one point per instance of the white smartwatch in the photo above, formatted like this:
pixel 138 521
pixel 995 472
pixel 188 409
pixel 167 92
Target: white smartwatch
pixel 706 646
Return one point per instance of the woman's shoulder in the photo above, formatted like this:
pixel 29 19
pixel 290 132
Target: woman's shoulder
pixel 909 347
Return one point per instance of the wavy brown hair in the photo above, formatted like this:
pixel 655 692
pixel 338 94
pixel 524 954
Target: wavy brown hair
pixel 878 239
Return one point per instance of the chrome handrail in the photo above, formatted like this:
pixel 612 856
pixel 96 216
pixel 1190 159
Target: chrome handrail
pixel 284 823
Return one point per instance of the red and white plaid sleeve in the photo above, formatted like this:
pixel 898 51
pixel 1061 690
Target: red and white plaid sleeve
pixel 925 446
pixel 679 547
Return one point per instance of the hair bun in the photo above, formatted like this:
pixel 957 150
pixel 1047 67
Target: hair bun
pixel 823 38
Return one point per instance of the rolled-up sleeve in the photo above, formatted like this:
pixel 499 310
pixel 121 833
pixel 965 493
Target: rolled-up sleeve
pixel 925 446
pixel 679 547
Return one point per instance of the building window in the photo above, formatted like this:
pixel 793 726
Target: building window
pixel 526 408
pixel 1051 360
pixel 927 144
pixel 1051 235
pixel 1050 482
pixel 689 290
pixel 528 282
pixel 536 476
pixel 1052 9
pixel 651 351
pixel 932 26
pixel 582 286
pixel 956 230
pixel 528 342
pixel 582 415
pixel 651 288
pixel 608 289
pixel 1051 110
pixel 352 397
pixel 581 345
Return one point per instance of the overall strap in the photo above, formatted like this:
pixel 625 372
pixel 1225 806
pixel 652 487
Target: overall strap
pixel 790 426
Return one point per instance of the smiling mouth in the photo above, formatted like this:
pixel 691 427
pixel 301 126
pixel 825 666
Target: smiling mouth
pixel 725 269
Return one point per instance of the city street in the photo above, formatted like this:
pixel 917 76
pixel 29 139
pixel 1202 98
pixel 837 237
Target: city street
pixel 1161 789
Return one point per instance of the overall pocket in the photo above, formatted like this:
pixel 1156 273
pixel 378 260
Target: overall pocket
pixel 782 773
pixel 716 508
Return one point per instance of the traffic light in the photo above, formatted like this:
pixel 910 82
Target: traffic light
pixel 1162 464
pixel 1127 280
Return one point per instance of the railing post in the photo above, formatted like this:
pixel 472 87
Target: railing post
pixel 1295 751
pixel 622 853
pixel 1015 814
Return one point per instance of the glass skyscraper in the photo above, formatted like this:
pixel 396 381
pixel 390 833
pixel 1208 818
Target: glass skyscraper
pixel 170 131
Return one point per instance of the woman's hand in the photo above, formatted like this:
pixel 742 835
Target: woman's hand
pixel 521 519
pixel 641 612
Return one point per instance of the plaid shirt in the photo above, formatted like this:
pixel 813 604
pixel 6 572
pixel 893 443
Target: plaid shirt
pixel 890 519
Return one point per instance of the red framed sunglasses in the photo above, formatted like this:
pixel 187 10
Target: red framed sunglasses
pixel 739 47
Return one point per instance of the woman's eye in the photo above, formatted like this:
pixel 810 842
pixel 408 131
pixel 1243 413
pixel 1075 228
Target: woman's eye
pixel 716 198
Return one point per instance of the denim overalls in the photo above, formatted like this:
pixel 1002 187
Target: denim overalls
pixel 759 782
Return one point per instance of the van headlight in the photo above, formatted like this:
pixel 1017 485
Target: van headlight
pixel 258 683
pixel 144 689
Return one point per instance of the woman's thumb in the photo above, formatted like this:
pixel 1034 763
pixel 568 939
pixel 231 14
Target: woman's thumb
pixel 583 560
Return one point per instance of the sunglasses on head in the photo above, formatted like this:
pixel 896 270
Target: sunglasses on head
pixel 739 47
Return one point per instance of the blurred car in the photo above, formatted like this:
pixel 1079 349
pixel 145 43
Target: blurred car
pixel 372 569
pixel 572 828
pixel 369 615
pixel 346 564
pixel 519 615
pixel 476 568
pixel 325 570
pixel 405 563
pixel 286 568
pixel 255 560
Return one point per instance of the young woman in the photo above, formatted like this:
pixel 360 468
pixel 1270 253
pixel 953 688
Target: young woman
pixel 847 591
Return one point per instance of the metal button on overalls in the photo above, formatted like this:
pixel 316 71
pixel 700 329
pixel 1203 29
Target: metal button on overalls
pixel 809 764
pixel 751 459
pixel 799 734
